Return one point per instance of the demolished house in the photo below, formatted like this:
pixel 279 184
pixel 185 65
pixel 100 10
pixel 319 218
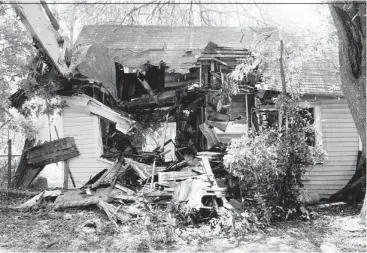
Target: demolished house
pixel 155 114
pixel 213 52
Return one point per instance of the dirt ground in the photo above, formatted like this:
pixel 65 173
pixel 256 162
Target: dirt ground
pixel 337 229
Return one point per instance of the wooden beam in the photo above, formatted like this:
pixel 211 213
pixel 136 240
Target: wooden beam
pixel 66 175
pixel 210 135
pixel 149 89
pixel 9 163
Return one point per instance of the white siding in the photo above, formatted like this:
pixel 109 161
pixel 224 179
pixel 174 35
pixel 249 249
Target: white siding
pixel 85 130
pixel 340 140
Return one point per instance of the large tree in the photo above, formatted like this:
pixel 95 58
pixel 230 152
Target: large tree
pixel 350 22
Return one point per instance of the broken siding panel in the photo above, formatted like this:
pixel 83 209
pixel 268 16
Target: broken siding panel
pixel 81 126
pixel 340 141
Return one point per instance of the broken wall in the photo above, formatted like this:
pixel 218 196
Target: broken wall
pixel 85 129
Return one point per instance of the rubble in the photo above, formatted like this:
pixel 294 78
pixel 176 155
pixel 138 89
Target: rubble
pixel 188 185
pixel 36 200
pixel 179 113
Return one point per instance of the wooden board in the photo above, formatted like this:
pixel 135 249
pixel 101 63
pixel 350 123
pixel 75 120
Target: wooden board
pixel 21 169
pixel 52 152
pixel 31 174
pixel 176 175
pixel 210 135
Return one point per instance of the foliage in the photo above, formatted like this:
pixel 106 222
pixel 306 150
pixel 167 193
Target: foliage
pixel 272 162
pixel 15 51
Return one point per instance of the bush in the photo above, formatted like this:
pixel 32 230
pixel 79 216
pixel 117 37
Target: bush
pixel 271 163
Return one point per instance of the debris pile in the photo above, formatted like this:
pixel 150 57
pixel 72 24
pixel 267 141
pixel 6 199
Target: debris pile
pixel 164 131
pixel 128 188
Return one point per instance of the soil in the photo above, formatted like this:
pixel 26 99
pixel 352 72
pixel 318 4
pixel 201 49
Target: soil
pixel 336 229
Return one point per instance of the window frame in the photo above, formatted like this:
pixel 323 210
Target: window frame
pixel 317 120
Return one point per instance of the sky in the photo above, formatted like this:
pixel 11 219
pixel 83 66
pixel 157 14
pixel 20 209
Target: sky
pixel 293 16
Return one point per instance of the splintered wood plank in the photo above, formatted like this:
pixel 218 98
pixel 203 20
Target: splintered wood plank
pixel 52 152
pixel 176 175
pixel 77 199
pixel 110 175
pixel 30 175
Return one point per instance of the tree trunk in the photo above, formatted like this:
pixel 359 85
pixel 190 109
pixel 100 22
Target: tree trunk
pixel 364 210
pixel 350 23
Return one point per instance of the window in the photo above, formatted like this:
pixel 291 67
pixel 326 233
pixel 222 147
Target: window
pixel 309 116
pixel 268 117
pixel 315 118
pixel 111 141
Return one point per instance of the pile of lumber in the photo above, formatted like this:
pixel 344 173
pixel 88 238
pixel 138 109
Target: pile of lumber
pixel 180 184
pixel 189 187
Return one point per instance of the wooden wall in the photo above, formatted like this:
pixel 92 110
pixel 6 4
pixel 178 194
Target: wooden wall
pixel 340 140
pixel 85 130
pixel 339 137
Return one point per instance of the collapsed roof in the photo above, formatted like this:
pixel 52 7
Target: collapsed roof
pixel 180 47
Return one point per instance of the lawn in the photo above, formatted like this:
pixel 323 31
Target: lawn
pixel 335 229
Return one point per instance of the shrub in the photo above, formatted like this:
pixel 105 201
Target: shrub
pixel 271 163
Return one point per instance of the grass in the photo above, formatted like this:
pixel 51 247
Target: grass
pixel 89 230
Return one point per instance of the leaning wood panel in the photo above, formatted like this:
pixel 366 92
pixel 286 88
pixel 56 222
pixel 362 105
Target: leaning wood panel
pixel 82 139
pixel 52 152
pixel 32 173
pixel 22 166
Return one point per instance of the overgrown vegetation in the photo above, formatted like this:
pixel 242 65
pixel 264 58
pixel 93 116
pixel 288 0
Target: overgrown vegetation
pixel 271 163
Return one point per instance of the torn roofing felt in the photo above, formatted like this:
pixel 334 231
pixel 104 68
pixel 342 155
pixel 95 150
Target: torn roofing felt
pixel 84 102
pixel 180 48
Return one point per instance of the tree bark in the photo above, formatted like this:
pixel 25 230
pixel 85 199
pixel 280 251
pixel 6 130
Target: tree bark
pixel 350 23
pixel 282 74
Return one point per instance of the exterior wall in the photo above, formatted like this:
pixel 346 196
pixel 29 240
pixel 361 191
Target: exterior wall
pixel 86 132
pixel 340 141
